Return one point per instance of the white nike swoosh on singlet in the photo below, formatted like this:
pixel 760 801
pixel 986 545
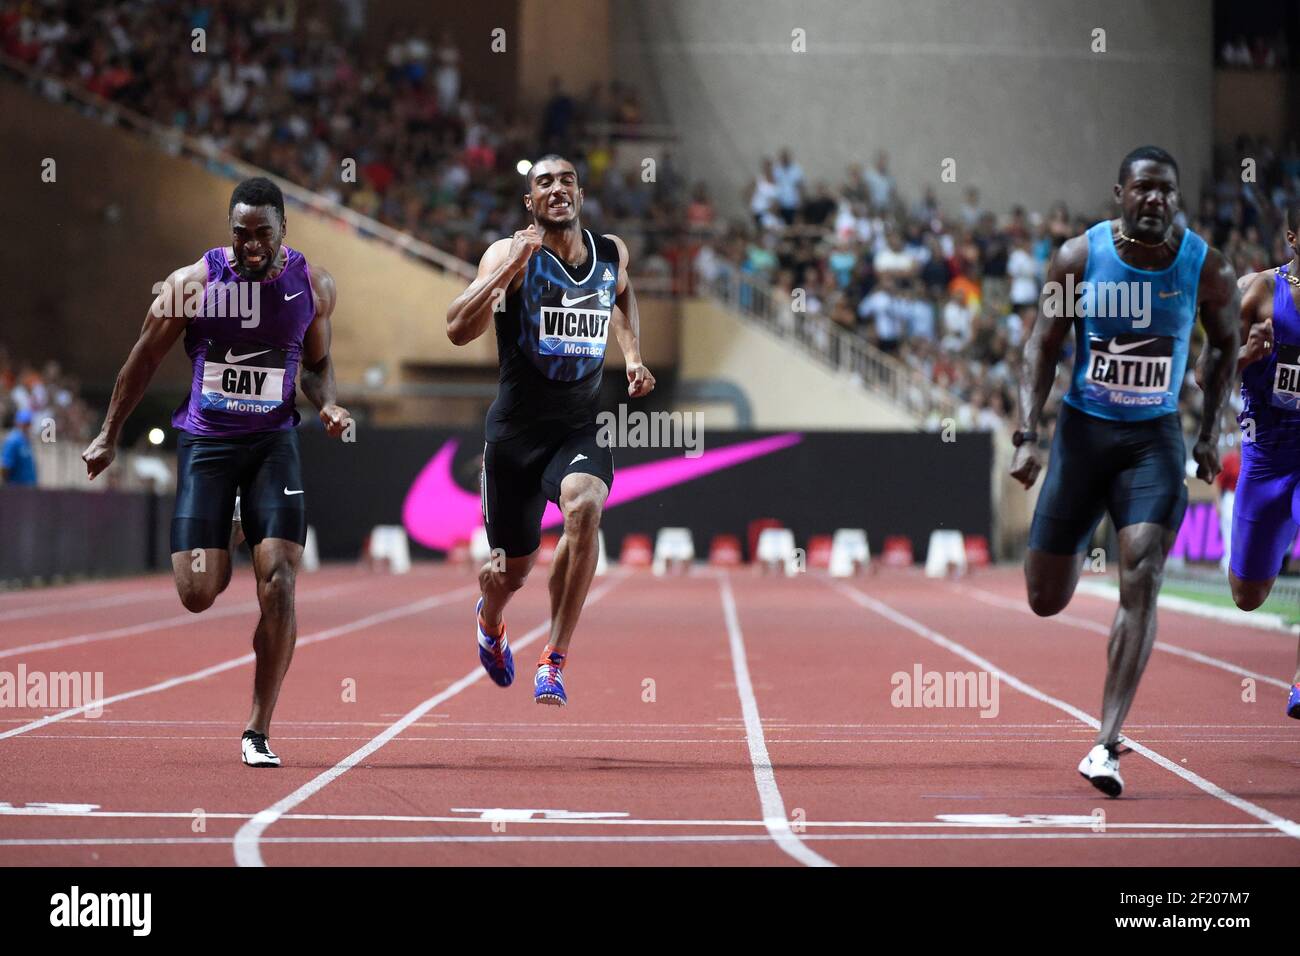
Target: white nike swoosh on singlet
pixel 566 301
pixel 1117 349
pixel 287 296
pixel 232 357
pixel 288 492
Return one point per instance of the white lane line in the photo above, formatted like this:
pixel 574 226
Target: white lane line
pixel 1087 824
pixel 772 723
pixel 357 625
pixel 1259 620
pixel 179 620
pixel 1289 827
pixel 774 815
pixel 719 741
pixel 249 836
pixel 624 839
pixel 43 610
pixel 997 600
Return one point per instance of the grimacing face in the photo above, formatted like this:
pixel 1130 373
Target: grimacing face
pixel 256 234
pixel 554 198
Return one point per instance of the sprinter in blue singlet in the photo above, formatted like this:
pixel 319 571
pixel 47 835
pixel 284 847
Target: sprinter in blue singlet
pixel 1130 288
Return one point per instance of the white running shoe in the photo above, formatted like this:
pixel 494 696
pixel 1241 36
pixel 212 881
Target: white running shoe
pixel 256 751
pixel 1101 769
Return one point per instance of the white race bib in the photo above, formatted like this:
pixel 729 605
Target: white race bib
pixel 244 379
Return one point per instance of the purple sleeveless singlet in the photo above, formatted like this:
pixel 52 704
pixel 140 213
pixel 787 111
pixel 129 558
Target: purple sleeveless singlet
pixel 246 345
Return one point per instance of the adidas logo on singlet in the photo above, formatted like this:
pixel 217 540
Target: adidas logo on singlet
pixel 608 276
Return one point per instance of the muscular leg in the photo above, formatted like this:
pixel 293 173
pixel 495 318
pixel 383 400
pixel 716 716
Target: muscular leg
pixel 1050 580
pixel 201 577
pixel 1142 550
pixel 582 498
pixel 499 580
pixel 275 561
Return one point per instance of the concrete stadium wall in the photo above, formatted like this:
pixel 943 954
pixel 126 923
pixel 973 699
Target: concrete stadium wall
pixel 786 388
pixel 1010 89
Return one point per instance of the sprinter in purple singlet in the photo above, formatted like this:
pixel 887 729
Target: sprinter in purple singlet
pixel 254 315
pixel 1266 512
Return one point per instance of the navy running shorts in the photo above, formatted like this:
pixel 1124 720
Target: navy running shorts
pixel 263 468
pixel 1135 471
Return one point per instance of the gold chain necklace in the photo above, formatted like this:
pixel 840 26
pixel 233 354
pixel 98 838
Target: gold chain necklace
pixel 1294 280
pixel 1139 242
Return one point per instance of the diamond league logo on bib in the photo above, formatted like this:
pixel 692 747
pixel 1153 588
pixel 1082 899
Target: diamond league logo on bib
pixel 1286 379
pixel 576 325
pixel 1129 369
pixel 247 380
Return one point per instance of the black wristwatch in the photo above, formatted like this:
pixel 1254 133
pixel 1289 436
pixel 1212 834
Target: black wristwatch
pixel 1019 437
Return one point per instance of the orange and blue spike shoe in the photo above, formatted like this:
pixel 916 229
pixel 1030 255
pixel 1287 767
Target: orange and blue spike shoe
pixel 494 652
pixel 548 684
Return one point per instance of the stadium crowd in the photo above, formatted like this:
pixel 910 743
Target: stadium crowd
pixel 950 292
pixel 41 402
pixel 300 95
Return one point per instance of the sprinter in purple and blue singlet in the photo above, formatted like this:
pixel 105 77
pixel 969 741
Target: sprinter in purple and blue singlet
pixel 254 315
pixel 1266 512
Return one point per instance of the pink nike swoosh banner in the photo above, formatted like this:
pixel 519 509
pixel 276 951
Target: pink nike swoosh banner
pixel 439 513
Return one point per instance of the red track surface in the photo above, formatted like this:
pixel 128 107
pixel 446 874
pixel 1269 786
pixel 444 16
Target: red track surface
pixel 861 781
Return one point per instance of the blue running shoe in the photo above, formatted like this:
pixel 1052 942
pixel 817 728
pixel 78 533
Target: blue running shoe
pixel 548 686
pixel 1293 704
pixel 494 653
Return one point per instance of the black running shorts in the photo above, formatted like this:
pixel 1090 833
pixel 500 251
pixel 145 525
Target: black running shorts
pixel 1133 470
pixel 521 473
pixel 263 469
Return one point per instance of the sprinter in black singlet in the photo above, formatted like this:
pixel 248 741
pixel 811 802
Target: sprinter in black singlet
pixel 556 291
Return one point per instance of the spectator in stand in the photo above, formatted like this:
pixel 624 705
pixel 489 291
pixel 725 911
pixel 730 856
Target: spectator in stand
pixel 894 260
pixel 820 206
pixel 763 196
pixel 788 177
pixel 700 212
pixel 957 322
pixel 17 464
pixel 971 213
pixel 557 118
pixel 447 75
pixel 1023 269
pixel 880 184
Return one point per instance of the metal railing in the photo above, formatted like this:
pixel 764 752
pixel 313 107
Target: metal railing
pixel 177 143
pixel 834 347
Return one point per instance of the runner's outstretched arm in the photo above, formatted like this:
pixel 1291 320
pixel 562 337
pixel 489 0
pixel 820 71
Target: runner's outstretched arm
pixel 163 325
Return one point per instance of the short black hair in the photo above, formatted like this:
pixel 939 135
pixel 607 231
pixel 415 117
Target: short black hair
pixel 548 156
pixel 258 191
pixel 1293 215
pixel 1153 153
